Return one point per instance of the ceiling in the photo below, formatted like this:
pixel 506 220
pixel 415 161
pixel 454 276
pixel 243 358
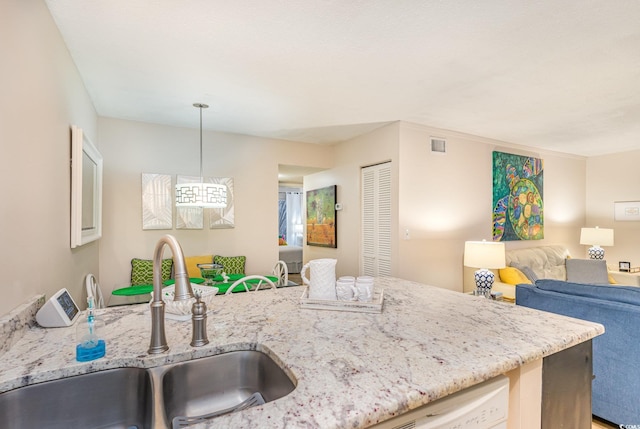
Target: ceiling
pixel 557 75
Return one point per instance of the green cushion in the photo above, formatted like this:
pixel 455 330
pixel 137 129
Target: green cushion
pixel 223 287
pixel 232 278
pixel 231 264
pixel 142 271
pixel 133 290
pixel 195 280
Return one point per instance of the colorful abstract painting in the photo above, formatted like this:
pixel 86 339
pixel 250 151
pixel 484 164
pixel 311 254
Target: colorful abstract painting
pixel 321 217
pixel 518 209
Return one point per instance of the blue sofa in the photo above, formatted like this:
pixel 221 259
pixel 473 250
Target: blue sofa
pixel 616 353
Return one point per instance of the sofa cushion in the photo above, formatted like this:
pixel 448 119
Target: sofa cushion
pixel 593 271
pixel 528 272
pixel 231 264
pixel 513 276
pixel 142 271
pixel 192 262
pixel 623 294
pixel 547 262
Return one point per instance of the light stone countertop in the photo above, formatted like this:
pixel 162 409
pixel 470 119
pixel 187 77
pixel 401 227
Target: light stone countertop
pixel 351 369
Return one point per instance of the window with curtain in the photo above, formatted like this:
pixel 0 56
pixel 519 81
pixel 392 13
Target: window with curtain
pixel 294 218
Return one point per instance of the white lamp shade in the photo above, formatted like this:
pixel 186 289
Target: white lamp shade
pixel 597 236
pixel 208 195
pixel 484 254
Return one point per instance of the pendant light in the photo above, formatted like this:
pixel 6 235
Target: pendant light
pixel 208 195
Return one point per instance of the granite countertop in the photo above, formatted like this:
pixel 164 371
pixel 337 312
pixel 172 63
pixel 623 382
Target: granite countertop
pixel 351 369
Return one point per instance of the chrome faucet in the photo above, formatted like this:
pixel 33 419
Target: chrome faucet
pixel 183 290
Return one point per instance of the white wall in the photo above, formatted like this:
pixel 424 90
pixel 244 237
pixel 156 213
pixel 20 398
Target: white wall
pixel 133 148
pixel 614 178
pixel 42 95
pixel 378 146
pixel 442 200
pixel 447 199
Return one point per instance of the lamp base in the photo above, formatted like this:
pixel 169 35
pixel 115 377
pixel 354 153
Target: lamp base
pixel 596 252
pixel 484 282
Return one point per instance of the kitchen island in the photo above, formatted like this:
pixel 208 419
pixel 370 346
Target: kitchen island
pixel 350 369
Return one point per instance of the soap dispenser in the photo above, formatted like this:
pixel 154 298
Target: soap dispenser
pixel 89 332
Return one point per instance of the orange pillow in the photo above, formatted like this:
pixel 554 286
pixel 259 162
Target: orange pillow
pixel 513 276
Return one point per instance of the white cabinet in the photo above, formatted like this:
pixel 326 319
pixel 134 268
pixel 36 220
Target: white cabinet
pixel 485 406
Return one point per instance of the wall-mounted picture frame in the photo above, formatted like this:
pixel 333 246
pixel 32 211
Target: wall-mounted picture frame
pixel 518 207
pixel 626 211
pixel 157 201
pixel 86 189
pixel 321 217
pixel 223 218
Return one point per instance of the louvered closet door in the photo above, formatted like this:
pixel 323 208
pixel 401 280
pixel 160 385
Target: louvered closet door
pixel 376 220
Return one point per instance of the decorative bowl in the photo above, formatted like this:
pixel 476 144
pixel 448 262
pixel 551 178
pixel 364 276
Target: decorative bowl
pixel 183 307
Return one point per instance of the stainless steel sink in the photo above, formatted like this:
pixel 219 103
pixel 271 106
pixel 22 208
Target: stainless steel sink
pixel 116 398
pixel 133 398
pixel 209 385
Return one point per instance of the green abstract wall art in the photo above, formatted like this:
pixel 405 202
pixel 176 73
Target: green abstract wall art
pixel 518 209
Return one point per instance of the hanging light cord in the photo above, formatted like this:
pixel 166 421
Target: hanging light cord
pixel 201 106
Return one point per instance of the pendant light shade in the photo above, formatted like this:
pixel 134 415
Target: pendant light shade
pixel 201 194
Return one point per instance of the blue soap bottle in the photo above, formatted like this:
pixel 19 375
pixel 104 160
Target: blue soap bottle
pixel 89 332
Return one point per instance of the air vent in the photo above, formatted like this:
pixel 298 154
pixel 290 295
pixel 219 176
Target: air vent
pixel 438 145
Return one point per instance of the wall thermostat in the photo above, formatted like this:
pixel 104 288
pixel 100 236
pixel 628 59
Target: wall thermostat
pixel 60 310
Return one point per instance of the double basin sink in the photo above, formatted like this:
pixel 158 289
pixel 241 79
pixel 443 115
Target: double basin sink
pixel 169 396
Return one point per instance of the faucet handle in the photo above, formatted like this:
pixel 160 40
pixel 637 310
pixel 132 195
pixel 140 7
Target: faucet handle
pixel 199 322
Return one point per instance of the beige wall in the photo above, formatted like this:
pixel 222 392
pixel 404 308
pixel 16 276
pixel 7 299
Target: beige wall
pixel 447 199
pixel 378 146
pixel 441 200
pixel 133 148
pixel 42 95
pixel 614 178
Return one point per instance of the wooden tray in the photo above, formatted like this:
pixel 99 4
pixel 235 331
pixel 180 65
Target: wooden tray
pixel 375 306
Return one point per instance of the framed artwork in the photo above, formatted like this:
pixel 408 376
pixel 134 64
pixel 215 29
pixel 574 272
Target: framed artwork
pixel 223 218
pixel 518 208
pixel 627 210
pixel 321 217
pixel 157 204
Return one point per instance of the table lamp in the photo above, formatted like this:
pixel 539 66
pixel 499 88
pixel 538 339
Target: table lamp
pixel 596 237
pixel 484 255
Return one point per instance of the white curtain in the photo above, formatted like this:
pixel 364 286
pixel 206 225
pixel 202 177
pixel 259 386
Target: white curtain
pixel 294 218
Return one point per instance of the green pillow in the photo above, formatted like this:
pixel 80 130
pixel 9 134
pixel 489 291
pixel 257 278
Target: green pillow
pixel 142 271
pixel 231 264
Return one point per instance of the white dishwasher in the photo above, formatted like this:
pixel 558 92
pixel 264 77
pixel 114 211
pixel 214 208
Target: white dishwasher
pixel 485 406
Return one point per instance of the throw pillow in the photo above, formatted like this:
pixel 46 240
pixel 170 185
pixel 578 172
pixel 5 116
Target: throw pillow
pixel 231 264
pixel 513 276
pixel 192 264
pixel 528 272
pixel 591 271
pixel 142 271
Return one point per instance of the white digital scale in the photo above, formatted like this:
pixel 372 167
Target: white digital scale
pixel 59 310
